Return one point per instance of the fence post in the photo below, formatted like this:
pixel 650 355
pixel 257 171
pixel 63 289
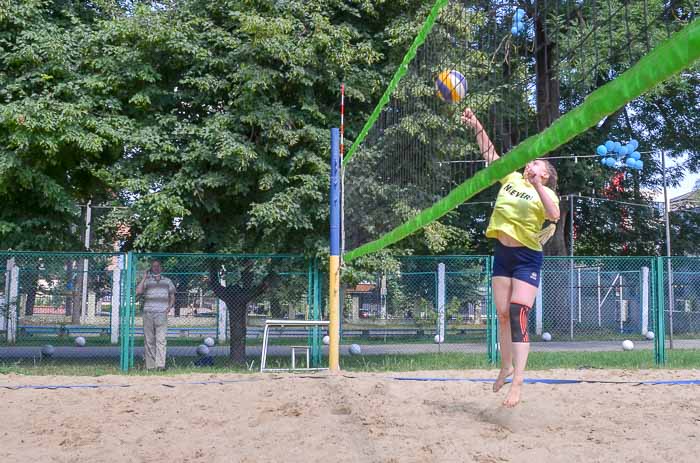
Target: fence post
pixel 126 355
pixel 441 302
pixel 316 315
pixel 659 328
pixel 538 309
pixel 222 317
pixel 5 301
pixel 11 293
pixel 645 300
pixel 491 318
pixel 115 318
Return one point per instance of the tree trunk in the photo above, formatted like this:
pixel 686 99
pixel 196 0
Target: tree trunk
pixel 180 297
pixel 548 96
pixel 237 297
pixel 275 309
pixel 238 318
pixel 558 245
pixel 30 283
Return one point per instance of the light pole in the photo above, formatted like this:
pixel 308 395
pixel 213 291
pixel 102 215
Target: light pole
pixel 667 205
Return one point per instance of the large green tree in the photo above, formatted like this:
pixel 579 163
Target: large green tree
pixel 229 104
pixel 56 131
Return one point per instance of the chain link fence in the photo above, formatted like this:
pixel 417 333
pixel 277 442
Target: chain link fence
pixel 426 305
pixel 60 307
pixel 83 308
pixel 681 283
pixel 590 299
pixel 220 305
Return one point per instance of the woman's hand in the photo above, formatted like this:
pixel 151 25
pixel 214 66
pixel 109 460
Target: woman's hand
pixel 534 179
pixel 470 120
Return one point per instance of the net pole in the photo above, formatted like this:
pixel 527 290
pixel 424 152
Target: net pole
pixel 342 172
pixel 667 207
pixel 334 267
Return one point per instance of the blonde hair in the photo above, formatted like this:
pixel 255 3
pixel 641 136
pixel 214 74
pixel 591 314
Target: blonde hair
pixel 553 176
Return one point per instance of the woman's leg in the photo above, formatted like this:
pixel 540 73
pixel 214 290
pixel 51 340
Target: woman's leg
pixel 521 300
pixel 501 298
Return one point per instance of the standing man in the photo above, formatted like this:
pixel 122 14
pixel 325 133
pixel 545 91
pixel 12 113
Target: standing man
pixel 159 298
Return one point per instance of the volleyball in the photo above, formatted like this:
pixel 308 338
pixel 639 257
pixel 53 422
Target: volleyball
pixel 202 350
pixel 627 345
pixel 80 341
pixel 451 86
pixel 47 351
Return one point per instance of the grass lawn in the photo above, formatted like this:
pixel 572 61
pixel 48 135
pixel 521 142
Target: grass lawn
pixel 639 359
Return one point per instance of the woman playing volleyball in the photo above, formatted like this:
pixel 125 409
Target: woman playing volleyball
pixel 524 202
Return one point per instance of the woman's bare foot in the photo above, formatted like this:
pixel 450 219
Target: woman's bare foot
pixel 513 397
pixel 501 380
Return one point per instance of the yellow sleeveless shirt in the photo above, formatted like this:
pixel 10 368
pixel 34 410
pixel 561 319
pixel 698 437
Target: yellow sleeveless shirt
pixel 519 212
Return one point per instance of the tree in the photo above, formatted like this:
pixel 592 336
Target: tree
pixel 229 144
pixel 56 131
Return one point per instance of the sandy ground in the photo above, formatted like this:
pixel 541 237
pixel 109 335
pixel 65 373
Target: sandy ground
pixel 350 418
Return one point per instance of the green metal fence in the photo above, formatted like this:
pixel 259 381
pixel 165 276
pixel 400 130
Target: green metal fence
pixel 680 277
pixel 584 304
pixel 61 306
pixel 428 304
pixel 83 308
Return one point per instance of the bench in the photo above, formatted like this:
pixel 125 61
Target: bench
pixel 67 330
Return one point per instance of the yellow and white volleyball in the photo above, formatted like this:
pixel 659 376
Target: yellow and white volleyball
pixel 451 86
pixel 627 345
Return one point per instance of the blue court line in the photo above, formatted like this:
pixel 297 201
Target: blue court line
pixel 105 386
pixel 65 386
pixel 681 382
pixel 556 381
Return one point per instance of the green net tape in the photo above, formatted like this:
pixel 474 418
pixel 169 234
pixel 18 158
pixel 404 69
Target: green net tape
pixel 668 59
pixel 403 68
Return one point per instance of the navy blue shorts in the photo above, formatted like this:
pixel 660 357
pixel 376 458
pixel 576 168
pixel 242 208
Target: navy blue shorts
pixel 520 263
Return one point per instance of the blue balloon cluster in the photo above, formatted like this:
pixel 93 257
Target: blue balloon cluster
pixel 519 24
pixel 615 154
